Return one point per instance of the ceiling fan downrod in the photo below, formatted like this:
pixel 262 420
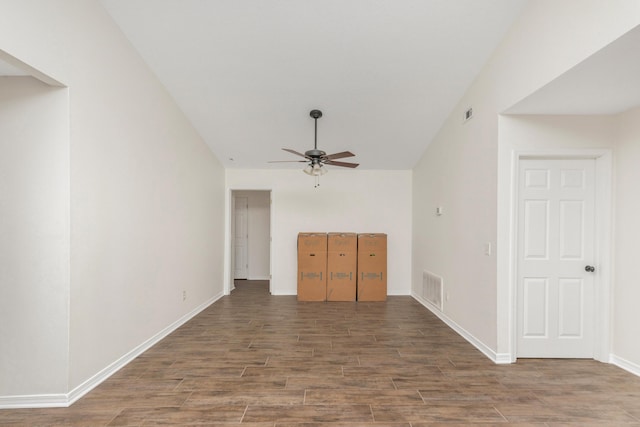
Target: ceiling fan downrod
pixel 316 114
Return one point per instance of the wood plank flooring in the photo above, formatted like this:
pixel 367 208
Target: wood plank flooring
pixel 255 360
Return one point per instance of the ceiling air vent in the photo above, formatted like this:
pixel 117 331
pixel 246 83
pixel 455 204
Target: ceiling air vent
pixel 468 114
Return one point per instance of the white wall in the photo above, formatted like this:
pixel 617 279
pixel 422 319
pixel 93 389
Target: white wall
pixel 353 200
pixel 259 230
pixel 34 237
pixel 146 194
pixel 458 173
pixel 464 171
pixel 626 316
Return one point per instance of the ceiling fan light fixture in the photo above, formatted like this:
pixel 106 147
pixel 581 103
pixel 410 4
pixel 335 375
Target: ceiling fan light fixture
pixel 314 169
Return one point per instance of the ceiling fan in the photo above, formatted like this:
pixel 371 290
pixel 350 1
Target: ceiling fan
pixel 315 158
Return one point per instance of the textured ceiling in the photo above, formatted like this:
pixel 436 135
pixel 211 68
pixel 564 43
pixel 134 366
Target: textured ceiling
pixel 385 73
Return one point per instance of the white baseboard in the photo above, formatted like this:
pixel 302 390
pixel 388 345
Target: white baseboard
pixel 64 400
pixel 34 401
pixel 506 358
pixel 634 368
pixel 498 358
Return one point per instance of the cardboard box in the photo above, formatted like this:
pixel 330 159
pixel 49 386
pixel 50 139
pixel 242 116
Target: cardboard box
pixel 312 266
pixel 372 267
pixel 342 250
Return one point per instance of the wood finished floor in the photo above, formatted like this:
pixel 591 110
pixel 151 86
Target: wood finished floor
pixel 259 361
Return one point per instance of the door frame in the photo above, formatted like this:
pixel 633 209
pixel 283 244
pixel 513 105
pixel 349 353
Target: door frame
pixel 602 240
pixel 228 278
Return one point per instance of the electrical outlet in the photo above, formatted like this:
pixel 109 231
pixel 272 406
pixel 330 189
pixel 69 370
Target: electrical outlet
pixel 184 295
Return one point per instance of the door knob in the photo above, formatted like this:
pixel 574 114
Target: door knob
pixel 590 268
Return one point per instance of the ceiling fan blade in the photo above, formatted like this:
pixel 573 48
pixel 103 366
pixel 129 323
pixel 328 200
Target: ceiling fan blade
pixel 339 155
pixel 287 161
pixel 343 164
pixel 294 152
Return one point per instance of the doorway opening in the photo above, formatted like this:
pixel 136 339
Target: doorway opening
pixel 250 232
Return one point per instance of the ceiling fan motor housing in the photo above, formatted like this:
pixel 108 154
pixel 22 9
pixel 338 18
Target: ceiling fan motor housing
pixel 315 153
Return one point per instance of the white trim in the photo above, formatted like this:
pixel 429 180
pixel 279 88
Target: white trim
pixel 29 70
pixel 228 273
pixel 34 401
pixel 631 367
pixel 101 376
pixel 604 254
pixel 64 400
pixel 498 358
pixel 603 241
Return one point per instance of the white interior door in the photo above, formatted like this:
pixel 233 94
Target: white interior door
pixel 241 237
pixel 556 235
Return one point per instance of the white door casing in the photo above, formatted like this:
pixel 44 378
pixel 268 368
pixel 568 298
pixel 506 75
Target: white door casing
pixel 240 237
pixel 555 242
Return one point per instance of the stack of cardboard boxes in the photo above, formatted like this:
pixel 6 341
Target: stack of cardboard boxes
pixel 342 267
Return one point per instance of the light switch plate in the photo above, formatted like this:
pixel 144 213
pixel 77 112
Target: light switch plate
pixel 487 248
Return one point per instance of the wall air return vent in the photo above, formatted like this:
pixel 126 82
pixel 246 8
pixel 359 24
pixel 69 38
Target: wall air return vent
pixel 432 289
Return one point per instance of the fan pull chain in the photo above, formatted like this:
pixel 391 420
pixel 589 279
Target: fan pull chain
pixel 317 181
